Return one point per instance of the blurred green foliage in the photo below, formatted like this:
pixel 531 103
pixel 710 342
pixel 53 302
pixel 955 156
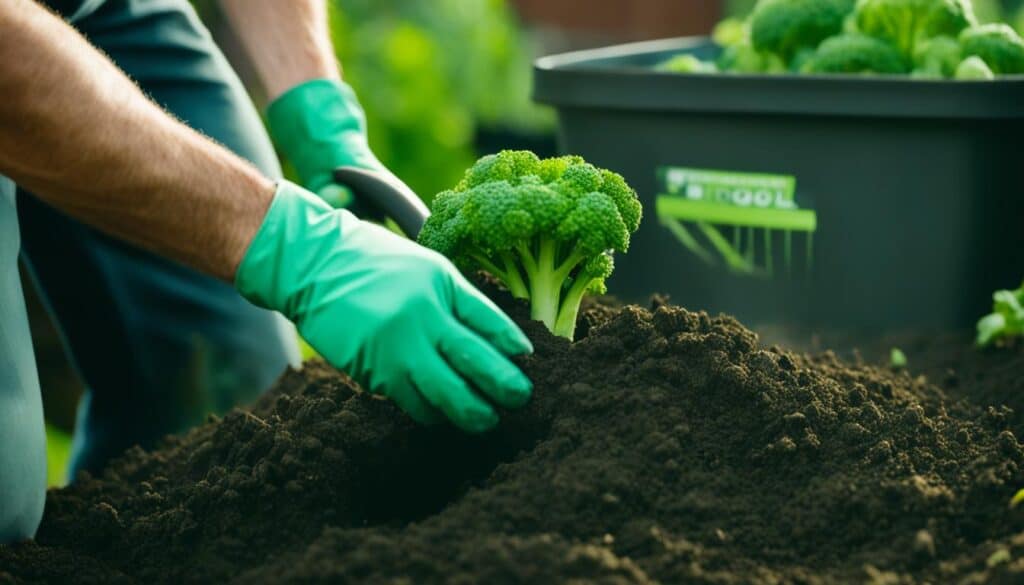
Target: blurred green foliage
pixel 429 74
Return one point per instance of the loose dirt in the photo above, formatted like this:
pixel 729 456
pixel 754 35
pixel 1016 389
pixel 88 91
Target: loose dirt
pixel 664 446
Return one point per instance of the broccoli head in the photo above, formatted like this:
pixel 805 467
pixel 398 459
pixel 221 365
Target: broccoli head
pixel 997 44
pixel 686 64
pixel 937 57
pixel 784 27
pixel 905 23
pixel 974 69
pixel 855 53
pixel 546 228
pixel 731 31
pixel 744 58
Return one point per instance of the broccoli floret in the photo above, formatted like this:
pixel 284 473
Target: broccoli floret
pixel 998 45
pixel 686 64
pixel 1006 320
pixel 546 228
pixel 856 54
pixel 784 27
pixel 974 69
pixel 744 58
pixel 731 31
pixel 905 23
pixel 800 61
pixel 937 57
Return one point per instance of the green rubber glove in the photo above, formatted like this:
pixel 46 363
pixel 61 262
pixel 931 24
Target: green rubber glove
pixel 397 317
pixel 319 126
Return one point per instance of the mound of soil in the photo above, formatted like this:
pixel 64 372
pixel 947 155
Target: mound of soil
pixel 662 447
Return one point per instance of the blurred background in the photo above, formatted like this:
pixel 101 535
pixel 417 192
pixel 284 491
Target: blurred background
pixel 443 82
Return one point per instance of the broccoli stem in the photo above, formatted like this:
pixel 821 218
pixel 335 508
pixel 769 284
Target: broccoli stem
pixel 565 323
pixel 510 276
pixel 545 287
pixel 513 278
pixel 548 272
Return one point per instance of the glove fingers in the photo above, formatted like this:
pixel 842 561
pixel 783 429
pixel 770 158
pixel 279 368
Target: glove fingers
pixel 450 394
pixel 485 367
pixel 416 406
pixel 481 315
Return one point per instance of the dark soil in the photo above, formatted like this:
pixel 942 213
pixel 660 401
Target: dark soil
pixel 662 447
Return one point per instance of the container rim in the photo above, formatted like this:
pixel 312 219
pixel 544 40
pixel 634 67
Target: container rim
pixel 621 77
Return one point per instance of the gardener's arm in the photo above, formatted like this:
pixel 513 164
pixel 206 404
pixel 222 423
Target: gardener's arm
pixel 397 317
pixel 287 41
pixel 80 135
pixel 314 117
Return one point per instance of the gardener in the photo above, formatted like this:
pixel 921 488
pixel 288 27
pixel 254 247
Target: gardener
pixel 121 207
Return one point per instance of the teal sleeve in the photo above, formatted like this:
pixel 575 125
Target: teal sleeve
pixel 22 436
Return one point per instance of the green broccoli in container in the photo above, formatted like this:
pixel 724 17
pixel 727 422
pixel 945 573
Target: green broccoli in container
pixel 938 57
pixel 998 45
pixel 856 53
pixel 686 64
pixel 742 57
pixel 546 228
pixel 907 23
pixel 785 27
pixel 974 69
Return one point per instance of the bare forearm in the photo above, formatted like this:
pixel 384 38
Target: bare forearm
pixel 287 40
pixel 81 136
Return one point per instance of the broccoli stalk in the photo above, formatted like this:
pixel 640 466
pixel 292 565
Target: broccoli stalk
pixel 906 23
pixel 545 228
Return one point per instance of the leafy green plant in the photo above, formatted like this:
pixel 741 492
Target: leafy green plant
pixel 1006 320
pixel 927 39
pixel 545 228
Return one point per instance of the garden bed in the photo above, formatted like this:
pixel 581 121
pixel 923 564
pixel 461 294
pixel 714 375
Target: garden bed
pixel 663 446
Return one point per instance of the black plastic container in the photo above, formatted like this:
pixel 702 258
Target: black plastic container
pixel 871 203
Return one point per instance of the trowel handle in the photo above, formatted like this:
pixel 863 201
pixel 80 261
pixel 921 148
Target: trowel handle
pixel 380 195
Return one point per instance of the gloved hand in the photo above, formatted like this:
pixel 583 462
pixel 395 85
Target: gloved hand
pixel 319 126
pixel 397 317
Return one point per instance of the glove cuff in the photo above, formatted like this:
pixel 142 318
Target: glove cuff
pixel 299 232
pixel 318 125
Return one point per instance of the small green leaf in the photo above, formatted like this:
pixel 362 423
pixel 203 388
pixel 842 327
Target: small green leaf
pixel 990 327
pixel 1017 499
pixel 1006 320
pixel 897 359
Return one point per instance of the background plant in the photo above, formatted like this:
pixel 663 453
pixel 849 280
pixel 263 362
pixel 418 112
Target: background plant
pixel 430 74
